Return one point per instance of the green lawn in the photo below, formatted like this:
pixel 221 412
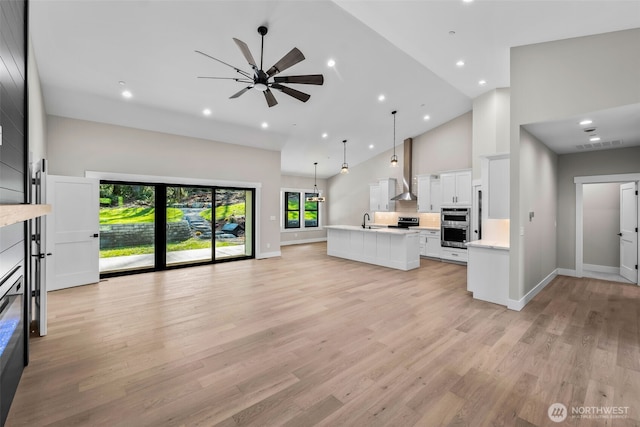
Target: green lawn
pixel 135 215
pixel 147 215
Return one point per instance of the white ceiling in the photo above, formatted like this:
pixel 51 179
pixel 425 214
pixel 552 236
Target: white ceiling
pixel 402 49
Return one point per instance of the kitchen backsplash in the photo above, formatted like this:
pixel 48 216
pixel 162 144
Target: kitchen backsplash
pixel 391 218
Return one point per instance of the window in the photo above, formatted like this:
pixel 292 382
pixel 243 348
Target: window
pixel 310 212
pixel 296 208
pixel 292 210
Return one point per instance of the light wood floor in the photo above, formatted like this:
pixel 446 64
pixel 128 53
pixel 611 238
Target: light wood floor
pixel 306 339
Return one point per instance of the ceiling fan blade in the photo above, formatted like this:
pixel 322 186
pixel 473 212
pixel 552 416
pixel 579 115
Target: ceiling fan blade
pixel 310 79
pixel 246 52
pixel 237 94
pixel 271 100
pixel 304 97
pixel 290 59
pixel 244 73
pixel 227 78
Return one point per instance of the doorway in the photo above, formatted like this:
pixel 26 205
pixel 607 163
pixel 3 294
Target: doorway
pixel 605 249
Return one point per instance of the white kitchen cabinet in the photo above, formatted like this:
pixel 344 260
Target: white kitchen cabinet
pixel 387 247
pixel 456 188
pixel 380 195
pixel 454 254
pixel 495 178
pixel 488 273
pixel 430 243
pixel 374 197
pixel 429 193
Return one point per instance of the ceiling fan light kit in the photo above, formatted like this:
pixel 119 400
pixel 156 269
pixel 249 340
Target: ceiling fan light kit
pixel 265 81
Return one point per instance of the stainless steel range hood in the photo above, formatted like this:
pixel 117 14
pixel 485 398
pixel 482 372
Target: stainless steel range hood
pixel 407 173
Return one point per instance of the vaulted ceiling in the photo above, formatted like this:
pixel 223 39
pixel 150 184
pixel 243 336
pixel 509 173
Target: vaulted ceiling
pixel 89 51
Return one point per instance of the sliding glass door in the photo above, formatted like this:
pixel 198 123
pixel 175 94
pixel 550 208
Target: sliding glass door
pixel 189 233
pixel 135 236
pixel 233 223
pixel 127 227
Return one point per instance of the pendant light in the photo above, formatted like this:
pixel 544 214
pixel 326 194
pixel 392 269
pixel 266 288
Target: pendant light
pixel 394 158
pixel 345 165
pixel 316 194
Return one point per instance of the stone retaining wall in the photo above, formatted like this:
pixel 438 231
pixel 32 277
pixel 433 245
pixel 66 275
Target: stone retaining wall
pixel 126 235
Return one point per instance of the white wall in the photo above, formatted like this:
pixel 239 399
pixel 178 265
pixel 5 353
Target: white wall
pixel 37 115
pixel 301 236
pixel 601 224
pixel 447 147
pixel 76 146
pixel 490 126
pixel 551 81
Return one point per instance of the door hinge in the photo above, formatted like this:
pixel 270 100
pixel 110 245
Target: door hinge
pixel 33 293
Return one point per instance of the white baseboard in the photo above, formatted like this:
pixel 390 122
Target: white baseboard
pixel 601 268
pixel 567 272
pixel 303 241
pixel 518 305
pixel 263 255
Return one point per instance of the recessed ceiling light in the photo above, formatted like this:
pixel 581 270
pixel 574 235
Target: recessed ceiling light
pixel 482 82
pixel 586 122
pixel 467 1
pixel 460 63
pixel 371 146
pixel 427 117
pixel 381 97
pixel 127 94
pixel 331 63
pixel 594 138
pixel 206 112
pixel 121 83
pixel 264 125
pixel 324 135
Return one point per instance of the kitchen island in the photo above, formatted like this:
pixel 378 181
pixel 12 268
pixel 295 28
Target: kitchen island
pixel 397 248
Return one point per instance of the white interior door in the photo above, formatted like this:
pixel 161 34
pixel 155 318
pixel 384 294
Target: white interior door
pixel 73 236
pixel 629 232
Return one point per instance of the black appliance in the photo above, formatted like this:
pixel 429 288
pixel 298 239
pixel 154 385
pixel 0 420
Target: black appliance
pixel 406 222
pixel 454 227
pixel 13 337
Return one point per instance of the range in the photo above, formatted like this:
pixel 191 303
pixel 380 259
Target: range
pixel 406 222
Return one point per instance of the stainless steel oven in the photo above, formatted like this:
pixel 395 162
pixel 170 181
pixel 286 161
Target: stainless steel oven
pixel 454 227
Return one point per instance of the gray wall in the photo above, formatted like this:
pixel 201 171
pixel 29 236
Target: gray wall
pixel 551 81
pixel 447 147
pixel 540 245
pixel 304 183
pixel 76 146
pixel 601 224
pixel 604 162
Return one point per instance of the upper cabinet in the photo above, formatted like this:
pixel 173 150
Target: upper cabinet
pixel 456 188
pixel 380 195
pixel 429 193
pixel 495 179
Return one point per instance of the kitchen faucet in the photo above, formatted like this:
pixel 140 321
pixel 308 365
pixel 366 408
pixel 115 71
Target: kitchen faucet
pixel 366 215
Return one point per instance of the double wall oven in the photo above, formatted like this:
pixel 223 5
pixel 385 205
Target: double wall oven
pixel 454 227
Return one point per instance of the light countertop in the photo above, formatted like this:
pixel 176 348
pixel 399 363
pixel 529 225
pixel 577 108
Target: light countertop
pixel 489 244
pixel 373 230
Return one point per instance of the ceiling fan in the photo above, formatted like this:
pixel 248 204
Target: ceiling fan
pixel 265 81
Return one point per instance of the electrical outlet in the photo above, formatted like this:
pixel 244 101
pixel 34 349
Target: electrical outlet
pixel 268 245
